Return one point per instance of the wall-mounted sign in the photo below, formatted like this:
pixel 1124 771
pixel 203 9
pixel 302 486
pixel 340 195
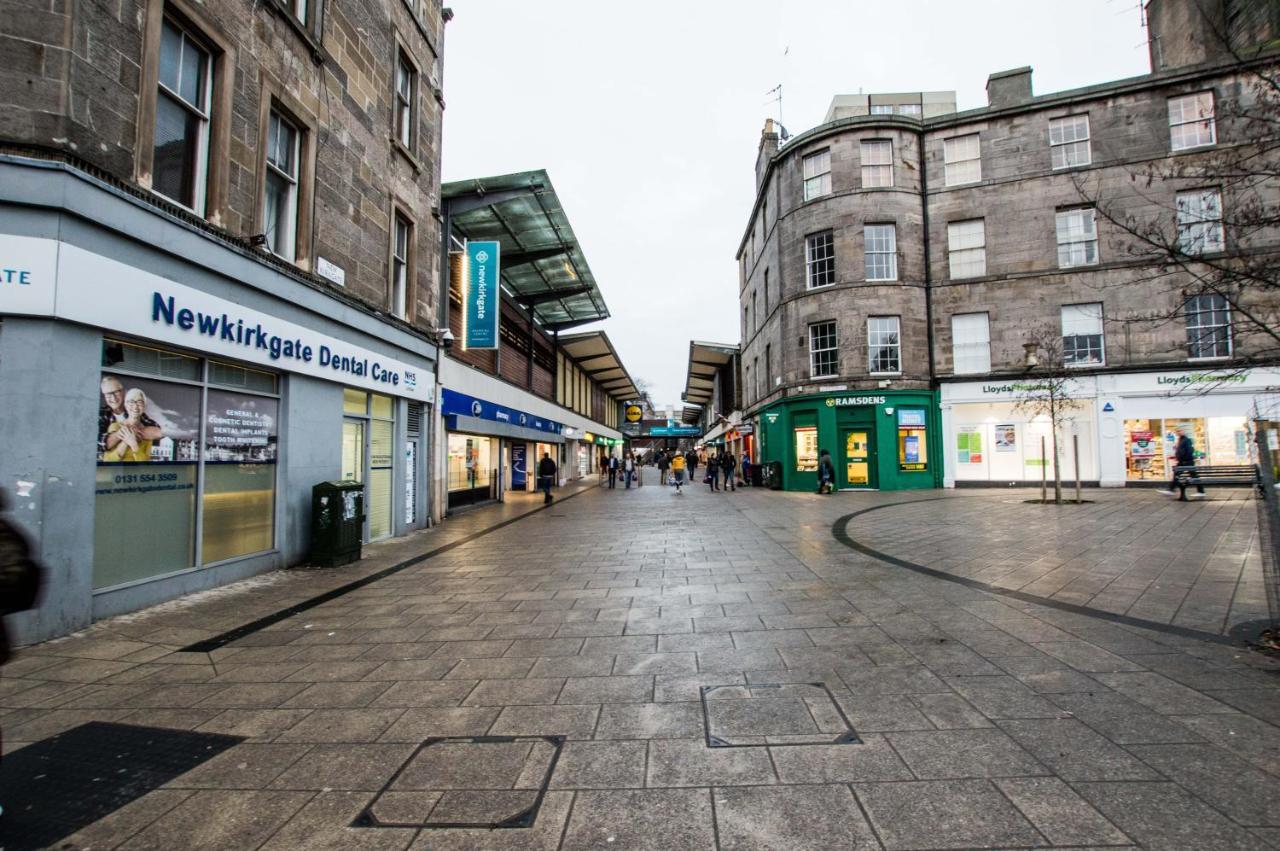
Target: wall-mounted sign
pixel 453 403
pixel 847 401
pixel 675 431
pixel 332 271
pixel 634 413
pixel 49 278
pixel 481 296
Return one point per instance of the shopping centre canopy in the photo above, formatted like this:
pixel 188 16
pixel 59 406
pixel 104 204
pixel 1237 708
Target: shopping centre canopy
pixel 595 355
pixel 691 414
pixel 705 359
pixel 543 268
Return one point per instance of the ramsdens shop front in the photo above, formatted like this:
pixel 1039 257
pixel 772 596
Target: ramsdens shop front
pixel 169 420
pixel 886 440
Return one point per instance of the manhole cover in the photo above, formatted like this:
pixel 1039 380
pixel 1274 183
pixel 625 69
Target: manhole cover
pixel 474 782
pixel 739 716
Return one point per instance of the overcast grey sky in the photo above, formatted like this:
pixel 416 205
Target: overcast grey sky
pixel 647 117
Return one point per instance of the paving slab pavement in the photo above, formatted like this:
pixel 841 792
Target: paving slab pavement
pixel 1016 676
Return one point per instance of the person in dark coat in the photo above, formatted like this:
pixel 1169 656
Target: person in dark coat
pixel 826 473
pixel 546 475
pixel 713 472
pixel 727 464
pixel 1184 455
pixel 20 574
pixel 613 471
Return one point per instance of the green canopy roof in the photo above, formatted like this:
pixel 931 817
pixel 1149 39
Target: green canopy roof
pixel 543 267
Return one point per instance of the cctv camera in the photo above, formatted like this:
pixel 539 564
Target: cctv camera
pixel 446 337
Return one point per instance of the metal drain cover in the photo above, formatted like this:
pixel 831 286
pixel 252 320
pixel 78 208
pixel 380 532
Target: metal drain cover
pixel 467 782
pixel 760 714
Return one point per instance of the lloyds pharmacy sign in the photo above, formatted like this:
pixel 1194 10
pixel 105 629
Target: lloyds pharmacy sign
pixel 70 283
pixel 482 293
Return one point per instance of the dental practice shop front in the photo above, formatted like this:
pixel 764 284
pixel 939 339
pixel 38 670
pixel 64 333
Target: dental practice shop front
pixel 167 413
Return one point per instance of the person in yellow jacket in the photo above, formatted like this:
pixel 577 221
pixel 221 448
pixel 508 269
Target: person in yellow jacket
pixel 677 470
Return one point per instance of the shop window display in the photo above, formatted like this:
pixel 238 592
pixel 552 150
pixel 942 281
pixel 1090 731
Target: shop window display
pixel 182 464
pixel 469 462
pixel 806 449
pixel 1149 444
pixel 913 448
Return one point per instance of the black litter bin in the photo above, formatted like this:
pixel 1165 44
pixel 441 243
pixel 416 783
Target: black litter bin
pixel 757 475
pixel 773 475
pixel 337 522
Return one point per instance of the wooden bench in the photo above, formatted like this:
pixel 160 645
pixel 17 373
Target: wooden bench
pixel 1224 475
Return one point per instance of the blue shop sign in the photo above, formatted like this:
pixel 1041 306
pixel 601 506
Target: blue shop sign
pixel 453 403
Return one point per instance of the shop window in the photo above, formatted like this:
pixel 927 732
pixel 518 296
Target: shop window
pixel 806 439
pixel 170 427
pixel 1208 327
pixel 913 446
pixel 1082 335
pixel 470 461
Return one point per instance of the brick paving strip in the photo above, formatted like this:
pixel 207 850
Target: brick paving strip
pixel 985 719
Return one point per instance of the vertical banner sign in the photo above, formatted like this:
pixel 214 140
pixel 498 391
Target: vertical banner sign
pixel 519 466
pixel 482 294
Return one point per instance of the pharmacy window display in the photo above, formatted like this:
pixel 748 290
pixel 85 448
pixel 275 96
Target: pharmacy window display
pixel 1149 444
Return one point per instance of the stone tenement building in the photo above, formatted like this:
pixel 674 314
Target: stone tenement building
pixel 900 258
pixel 220 228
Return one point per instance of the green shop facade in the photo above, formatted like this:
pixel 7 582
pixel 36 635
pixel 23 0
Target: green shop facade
pixel 882 440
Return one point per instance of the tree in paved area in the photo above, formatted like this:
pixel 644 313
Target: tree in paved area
pixel 1050 390
pixel 1201 229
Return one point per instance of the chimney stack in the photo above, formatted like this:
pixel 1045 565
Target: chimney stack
pixel 1009 88
pixel 768 147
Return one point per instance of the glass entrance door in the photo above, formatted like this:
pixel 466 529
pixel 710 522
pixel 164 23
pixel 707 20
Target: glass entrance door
pixel 859 459
pixel 353 459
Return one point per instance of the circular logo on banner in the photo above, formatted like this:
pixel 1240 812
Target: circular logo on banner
pixel 634 413
pixel 831 403
pixel 476 408
pixel 482 257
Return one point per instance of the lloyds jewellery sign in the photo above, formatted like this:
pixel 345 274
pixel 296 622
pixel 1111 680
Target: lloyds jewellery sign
pixel 481 295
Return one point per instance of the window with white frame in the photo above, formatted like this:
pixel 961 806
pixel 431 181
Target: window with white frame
pixel 299 9
pixel 820 259
pixel 913 109
pixel 967 248
pixel 880 250
pixel 1208 327
pixel 971 343
pixel 877 163
pixel 1191 121
pixel 824 356
pixel 1082 335
pixel 280 194
pixel 180 168
pixel 1069 141
pixel 884 344
pixel 882 109
pixel 962 157
pixel 406 85
pixel 1200 221
pixel 402 241
pixel 817 174
pixel 1077 231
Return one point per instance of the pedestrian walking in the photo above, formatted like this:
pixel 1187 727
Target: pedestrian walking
pixel 628 469
pixel 20 575
pixel 546 475
pixel 826 473
pixel 613 471
pixel 677 471
pixel 713 473
pixel 728 465
pixel 746 469
pixel 663 465
pixel 691 458
pixel 1184 455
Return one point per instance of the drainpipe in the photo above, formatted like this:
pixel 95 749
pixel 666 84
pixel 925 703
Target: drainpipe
pixel 928 273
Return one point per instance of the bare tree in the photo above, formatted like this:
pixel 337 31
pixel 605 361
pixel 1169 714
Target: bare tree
pixel 1204 228
pixel 1050 391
